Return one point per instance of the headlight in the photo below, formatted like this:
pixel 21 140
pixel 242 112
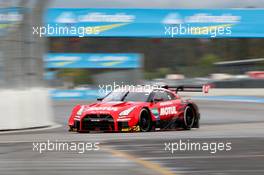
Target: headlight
pixel 80 110
pixel 127 111
pixel 77 117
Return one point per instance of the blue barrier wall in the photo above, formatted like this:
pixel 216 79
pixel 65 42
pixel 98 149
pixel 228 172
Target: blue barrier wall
pixel 71 94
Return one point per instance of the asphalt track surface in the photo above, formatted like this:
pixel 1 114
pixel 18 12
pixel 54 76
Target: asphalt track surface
pixel 241 124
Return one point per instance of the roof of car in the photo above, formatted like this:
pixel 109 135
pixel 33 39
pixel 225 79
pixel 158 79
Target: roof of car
pixel 139 89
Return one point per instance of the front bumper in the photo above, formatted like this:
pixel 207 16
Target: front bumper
pixel 101 122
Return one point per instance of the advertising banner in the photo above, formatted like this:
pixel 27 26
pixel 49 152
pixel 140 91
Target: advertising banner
pixel 92 60
pixel 156 23
pixel 59 94
pixel 9 19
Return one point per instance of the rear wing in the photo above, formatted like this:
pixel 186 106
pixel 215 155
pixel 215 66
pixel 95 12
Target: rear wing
pixel 204 88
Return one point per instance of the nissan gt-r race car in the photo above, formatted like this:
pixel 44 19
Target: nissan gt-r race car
pixel 143 110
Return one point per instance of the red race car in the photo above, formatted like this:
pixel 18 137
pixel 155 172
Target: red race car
pixel 143 110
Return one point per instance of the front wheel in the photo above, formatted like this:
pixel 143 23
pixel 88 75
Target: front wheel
pixel 145 120
pixel 70 128
pixel 189 117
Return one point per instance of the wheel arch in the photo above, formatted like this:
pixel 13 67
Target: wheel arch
pixel 150 116
pixel 150 113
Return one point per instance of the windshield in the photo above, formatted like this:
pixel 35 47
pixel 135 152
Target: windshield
pixel 115 96
pixel 127 96
pixel 137 96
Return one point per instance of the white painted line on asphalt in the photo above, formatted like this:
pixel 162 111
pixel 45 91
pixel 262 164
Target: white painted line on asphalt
pixel 31 129
pixel 221 171
pixel 13 141
pixel 202 157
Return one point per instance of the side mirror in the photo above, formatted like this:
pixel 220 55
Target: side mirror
pixel 100 99
pixel 155 100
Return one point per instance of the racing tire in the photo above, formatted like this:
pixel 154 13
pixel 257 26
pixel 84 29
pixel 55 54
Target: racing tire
pixel 70 129
pixel 145 122
pixel 196 122
pixel 188 118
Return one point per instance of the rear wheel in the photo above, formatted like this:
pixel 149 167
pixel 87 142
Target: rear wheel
pixel 145 122
pixel 189 117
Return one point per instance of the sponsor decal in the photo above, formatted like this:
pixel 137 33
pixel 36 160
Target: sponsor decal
pixel 92 60
pixel 134 128
pixel 152 22
pixel 118 19
pixel 166 103
pixel 168 110
pixel 108 61
pixel 155 112
pixel 102 109
pixel 70 17
pixel 61 61
pixel 175 18
pixel 102 28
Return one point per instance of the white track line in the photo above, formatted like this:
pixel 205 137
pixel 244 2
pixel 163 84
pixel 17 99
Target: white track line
pixel 31 129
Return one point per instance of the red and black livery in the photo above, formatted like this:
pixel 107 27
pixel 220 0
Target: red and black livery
pixel 138 110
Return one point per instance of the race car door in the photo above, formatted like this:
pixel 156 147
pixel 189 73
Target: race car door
pixel 165 105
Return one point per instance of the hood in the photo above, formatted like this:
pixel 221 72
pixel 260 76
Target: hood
pixel 108 107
